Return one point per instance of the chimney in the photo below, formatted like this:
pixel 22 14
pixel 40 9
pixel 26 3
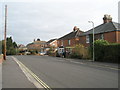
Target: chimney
pixel 34 40
pixel 38 39
pixel 107 18
pixel 75 29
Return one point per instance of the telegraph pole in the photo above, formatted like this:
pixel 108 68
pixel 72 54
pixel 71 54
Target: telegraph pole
pixel 5 29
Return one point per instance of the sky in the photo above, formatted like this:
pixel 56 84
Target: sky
pixel 49 19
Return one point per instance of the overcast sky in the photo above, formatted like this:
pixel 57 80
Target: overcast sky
pixel 48 19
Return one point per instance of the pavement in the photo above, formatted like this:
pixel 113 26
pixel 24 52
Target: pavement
pixel 1 59
pixel 13 77
pixel 0 76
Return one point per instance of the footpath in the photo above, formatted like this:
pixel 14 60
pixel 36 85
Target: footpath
pixel 1 59
pixel 0 76
pixel 13 77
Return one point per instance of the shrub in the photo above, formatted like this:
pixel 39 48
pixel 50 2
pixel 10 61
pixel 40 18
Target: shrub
pixel 101 42
pixel 80 52
pixel 98 49
pixel 111 53
pixel 75 55
pixel 51 51
pixel 107 52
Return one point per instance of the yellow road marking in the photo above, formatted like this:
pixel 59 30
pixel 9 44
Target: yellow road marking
pixel 35 76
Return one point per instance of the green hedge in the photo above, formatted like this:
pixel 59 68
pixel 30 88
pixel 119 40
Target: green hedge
pixel 106 52
pixel 111 53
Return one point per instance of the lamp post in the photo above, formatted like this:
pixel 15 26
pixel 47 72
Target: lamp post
pixel 93 39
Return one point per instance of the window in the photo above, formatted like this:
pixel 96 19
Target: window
pixel 87 39
pixel 62 43
pixel 69 42
pixel 102 36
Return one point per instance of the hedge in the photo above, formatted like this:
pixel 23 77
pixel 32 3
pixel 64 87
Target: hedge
pixel 107 52
pixel 111 53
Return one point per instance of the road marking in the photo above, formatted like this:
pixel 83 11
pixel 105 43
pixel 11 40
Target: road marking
pixel 31 76
pixel 76 62
pixel 106 67
pixel 101 66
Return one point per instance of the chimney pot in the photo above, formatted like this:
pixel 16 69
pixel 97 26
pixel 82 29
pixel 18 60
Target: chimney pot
pixel 107 18
pixel 75 28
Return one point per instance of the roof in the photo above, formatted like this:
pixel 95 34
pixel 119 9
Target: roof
pixel 39 42
pixel 70 35
pixel 106 27
pixel 51 40
pixel 36 43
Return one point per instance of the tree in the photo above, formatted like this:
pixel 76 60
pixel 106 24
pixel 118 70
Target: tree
pixel 10 45
pixel 15 45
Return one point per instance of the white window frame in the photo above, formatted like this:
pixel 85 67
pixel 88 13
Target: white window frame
pixel 62 43
pixel 69 42
pixel 102 36
pixel 87 39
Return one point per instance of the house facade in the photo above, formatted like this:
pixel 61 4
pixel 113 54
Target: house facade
pixel 22 48
pixel 109 31
pixel 69 40
pixel 52 43
pixel 37 45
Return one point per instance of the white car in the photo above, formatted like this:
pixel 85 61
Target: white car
pixel 42 53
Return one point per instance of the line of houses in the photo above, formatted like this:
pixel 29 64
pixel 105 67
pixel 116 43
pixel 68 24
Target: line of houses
pixel 108 30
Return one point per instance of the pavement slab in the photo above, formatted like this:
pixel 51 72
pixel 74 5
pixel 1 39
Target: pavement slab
pixel 0 76
pixel 13 77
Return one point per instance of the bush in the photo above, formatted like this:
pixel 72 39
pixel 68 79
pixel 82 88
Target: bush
pixel 107 52
pixel 81 52
pixel 101 42
pixel 33 52
pixel 98 49
pixel 112 53
pixel 76 55
pixel 51 51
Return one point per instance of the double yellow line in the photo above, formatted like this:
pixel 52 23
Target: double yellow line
pixel 33 75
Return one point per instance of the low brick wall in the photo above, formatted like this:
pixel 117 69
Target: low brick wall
pixel 1 58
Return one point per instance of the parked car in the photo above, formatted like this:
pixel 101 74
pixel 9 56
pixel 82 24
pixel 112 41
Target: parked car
pixel 42 53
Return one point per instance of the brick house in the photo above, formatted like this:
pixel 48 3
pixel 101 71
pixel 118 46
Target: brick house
pixel 22 47
pixel 109 31
pixel 69 40
pixel 52 43
pixel 37 45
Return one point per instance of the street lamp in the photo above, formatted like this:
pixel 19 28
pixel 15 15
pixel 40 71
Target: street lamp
pixel 93 39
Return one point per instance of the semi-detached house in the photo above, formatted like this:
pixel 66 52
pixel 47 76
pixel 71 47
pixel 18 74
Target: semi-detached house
pixel 108 30
pixel 69 40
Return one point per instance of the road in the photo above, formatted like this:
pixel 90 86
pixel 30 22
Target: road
pixel 66 73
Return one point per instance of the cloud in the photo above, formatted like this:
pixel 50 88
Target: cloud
pixel 47 19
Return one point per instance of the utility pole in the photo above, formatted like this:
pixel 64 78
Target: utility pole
pixel 4 56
